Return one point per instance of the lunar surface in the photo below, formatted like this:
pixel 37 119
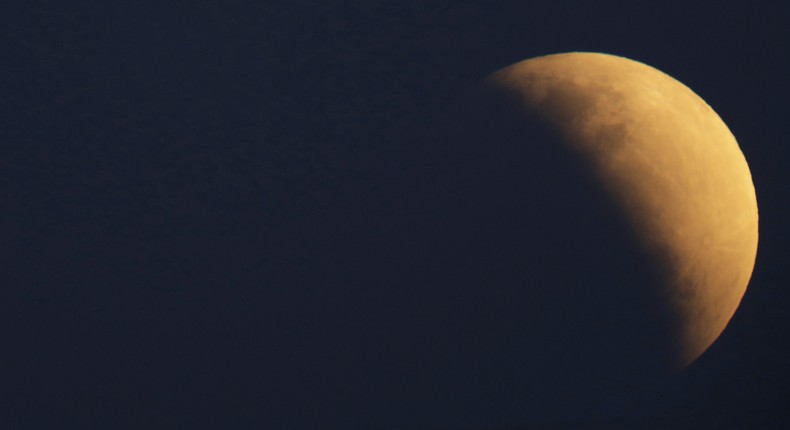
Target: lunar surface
pixel 669 171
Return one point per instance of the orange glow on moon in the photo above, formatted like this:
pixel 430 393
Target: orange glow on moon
pixel 671 165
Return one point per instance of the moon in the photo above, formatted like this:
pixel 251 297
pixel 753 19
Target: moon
pixel 670 167
pixel 609 209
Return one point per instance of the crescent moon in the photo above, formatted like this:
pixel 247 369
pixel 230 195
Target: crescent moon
pixel 673 169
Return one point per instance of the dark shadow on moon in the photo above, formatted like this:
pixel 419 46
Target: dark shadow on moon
pixel 503 288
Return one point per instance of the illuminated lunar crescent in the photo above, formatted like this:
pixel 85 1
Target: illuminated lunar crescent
pixel 673 169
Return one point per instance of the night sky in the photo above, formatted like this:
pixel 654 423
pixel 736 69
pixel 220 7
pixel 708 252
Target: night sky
pixel 222 215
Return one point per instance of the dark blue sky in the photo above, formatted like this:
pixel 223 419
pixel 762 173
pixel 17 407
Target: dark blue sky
pixel 197 201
